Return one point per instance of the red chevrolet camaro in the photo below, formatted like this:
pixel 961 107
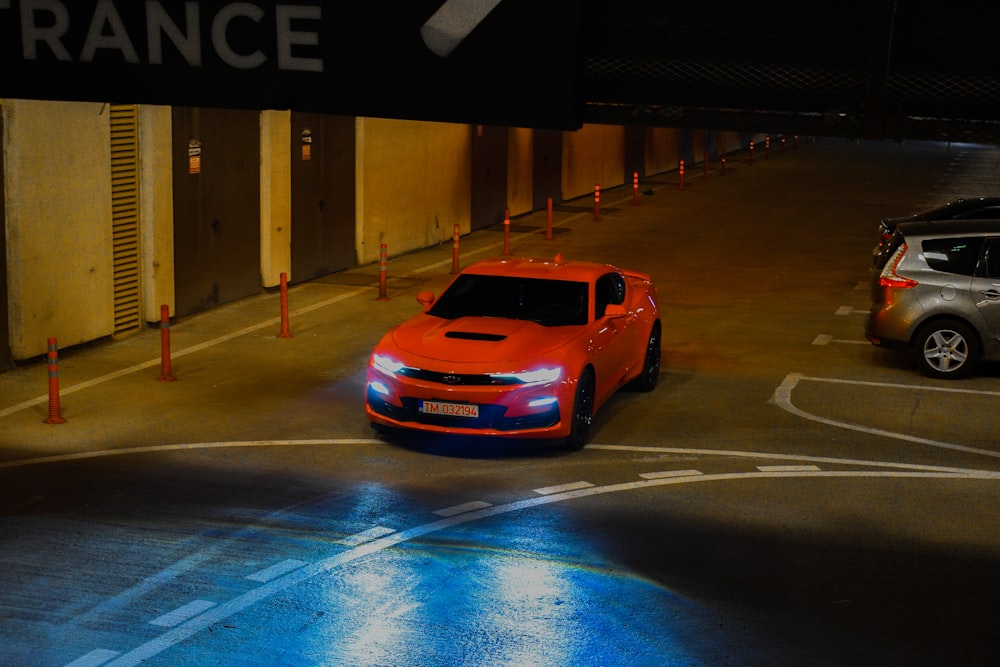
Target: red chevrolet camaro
pixel 518 348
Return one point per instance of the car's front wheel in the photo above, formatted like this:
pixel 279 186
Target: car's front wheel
pixel 946 349
pixel 646 381
pixel 583 411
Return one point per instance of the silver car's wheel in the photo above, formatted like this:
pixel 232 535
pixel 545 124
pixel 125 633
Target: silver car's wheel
pixel 947 349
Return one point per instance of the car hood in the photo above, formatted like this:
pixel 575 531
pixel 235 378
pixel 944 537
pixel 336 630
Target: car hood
pixel 479 339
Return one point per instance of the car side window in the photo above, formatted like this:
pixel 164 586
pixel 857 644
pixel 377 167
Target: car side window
pixel 990 267
pixel 610 289
pixel 959 255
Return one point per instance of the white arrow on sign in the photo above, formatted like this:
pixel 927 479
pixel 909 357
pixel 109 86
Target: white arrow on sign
pixel 453 22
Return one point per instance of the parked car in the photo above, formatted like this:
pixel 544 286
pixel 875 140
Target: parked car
pixel 518 348
pixel 936 292
pixel 973 208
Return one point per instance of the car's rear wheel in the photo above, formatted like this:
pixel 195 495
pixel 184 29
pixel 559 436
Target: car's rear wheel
pixel 583 411
pixel 946 349
pixel 650 375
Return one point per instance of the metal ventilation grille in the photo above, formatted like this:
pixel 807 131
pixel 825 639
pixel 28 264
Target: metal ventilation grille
pixel 945 95
pixel 125 218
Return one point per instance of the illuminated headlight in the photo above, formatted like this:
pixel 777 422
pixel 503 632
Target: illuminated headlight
pixel 543 402
pixel 537 376
pixel 379 388
pixel 387 365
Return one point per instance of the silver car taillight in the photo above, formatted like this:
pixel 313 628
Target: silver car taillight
pixel 889 277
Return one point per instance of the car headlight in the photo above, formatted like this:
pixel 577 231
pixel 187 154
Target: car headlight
pixel 387 364
pixel 536 376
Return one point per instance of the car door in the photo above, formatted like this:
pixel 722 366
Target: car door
pixel 986 286
pixel 612 342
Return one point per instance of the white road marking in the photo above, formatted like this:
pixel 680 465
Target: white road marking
pixel 276 570
pixel 561 488
pixel 463 508
pixel 826 339
pixel 366 536
pixel 181 614
pixel 788 468
pixel 670 473
pixel 782 397
pixel 847 310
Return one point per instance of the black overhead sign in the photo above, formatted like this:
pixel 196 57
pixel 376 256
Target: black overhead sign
pixel 495 62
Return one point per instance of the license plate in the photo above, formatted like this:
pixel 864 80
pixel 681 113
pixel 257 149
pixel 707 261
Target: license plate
pixel 449 409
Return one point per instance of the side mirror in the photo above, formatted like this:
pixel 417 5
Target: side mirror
pixel 615 310
pixel 426 299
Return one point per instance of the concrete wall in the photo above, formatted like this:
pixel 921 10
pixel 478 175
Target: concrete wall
pixel 413 184
pixel 57 181
pixel 156 211
pixel 593 155
pixel 520 156
pixel 275 196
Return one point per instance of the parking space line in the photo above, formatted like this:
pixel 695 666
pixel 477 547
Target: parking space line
pixel 670 473
pixel 181 614
pixel 463 508
pixel 782 397
pixel 794 468
pixel 94 658
pixel 276 570
pixel 366 536
pixel 561 488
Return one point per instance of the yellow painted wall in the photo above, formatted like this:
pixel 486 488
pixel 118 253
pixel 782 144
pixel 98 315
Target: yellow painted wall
pixel 592 155
pixel 58 194
pixel 275 196
pixel 413 184
pixel 520 174
pixel 156 210
pixel 663 147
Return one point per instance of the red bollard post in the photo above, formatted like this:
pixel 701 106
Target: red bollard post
pixel 597 202
pixel 382 286
pixel 722 163
pixel 55 412
pixel 635 188
pixel 285 333
pixel 680 180
pixel 795 141
pixel 454 250
pixel 751 152
pixel 782 146
pixel 506 231
pixel 165 370
pixel 548 219
pixel 767 148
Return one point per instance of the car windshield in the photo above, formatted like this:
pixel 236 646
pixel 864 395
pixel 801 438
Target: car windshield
pixel 550 303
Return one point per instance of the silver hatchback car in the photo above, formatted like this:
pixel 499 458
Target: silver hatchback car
pixel 936 292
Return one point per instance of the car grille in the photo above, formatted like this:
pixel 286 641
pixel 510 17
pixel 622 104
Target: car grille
pixel 456 379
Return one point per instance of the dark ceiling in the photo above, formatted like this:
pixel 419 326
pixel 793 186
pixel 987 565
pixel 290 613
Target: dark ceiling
pixel 911 69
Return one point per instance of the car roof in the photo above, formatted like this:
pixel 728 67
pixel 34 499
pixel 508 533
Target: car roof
pixel 970 207
pixel 550 269
pixel 960 227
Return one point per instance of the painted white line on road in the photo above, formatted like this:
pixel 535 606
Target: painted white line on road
pixel 788 468
pixel 843 311
pixel 366 536
pixel 782 397
pixel 276 570
pixel 562 488
pixel 101 379
pixel 826 339
pixel 181 614
pixel 463 508
pixel 670 473
pixel 223 611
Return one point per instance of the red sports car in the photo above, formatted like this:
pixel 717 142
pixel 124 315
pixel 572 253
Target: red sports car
pixel 522 348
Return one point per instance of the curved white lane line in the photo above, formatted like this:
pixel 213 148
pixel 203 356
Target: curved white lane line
pixel 223 611
pixel 782 397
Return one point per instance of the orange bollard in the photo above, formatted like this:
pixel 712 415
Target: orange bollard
pixel 597 202
pixel 55 411
pixel 767 148
pixel 382 286
pixel 680 180
pixel 751 152
pixel 165 371
pixel 506 231
pixel 548 219
pixel 722 163
pixel 635 188
pixel 285 333
pixel 454 250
